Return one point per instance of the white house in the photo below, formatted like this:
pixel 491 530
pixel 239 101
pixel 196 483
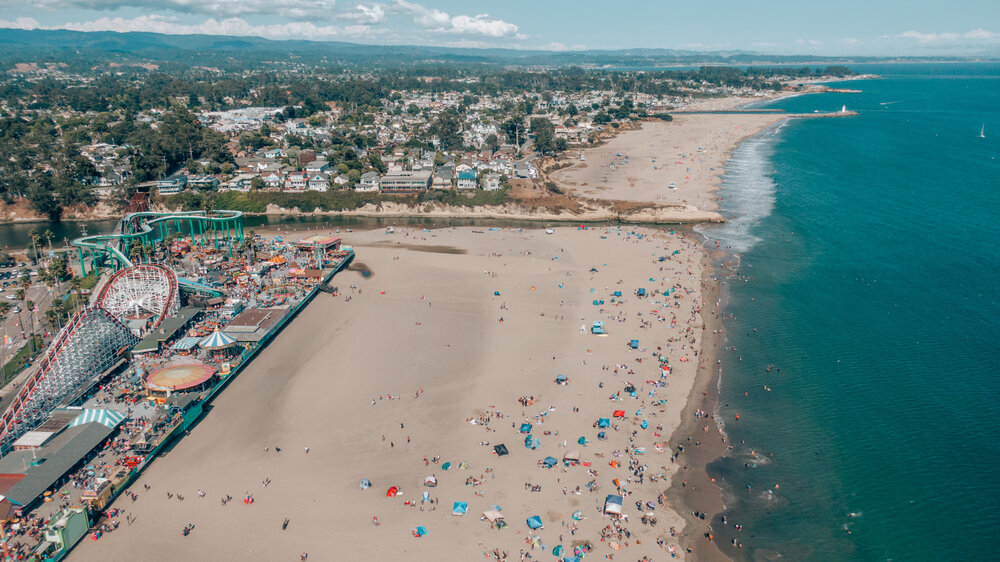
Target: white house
pixel 491 182
pixel 369 182
pixel 318 182
pixel 296 181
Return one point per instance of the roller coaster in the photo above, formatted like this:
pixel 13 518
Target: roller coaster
pixel 219 228
pixel 94 339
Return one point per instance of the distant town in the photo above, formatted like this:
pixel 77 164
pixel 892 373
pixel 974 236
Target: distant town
pixel 78 140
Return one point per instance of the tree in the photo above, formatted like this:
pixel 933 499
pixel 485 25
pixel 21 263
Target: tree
pixel 448 129
pixel 572 110
pixel 77 284
pixel 492 142
pixel 545 134
pixel 513 128
pixel 4 311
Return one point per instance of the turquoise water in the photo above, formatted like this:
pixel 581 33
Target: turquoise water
pixel 870 277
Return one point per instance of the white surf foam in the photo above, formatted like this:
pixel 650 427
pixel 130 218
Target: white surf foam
pixel 747 193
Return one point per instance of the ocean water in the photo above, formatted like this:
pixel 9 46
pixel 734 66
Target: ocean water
pixel 869 284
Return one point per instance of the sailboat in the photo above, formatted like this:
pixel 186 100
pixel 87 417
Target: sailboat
pixel 982 132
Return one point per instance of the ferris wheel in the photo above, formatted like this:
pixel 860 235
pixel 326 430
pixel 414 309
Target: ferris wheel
pixel 141 291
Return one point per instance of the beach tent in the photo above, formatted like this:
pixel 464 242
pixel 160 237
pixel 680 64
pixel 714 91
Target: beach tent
pixel 603 422
pixel 571 559
pixel 365 484
pixel 641 292
pixel 492 515
pixel 561 379
pixel 535 522
pixel 420 531
pixel 391 492
pixel 613 505
pixel 217 340
pixel 577 515
pixel 525 428
pixel 557 550
pixel 430 481
pixel 549 462
pixel 634 344
pixel 459 508
pixel 602 436
pixel 571 457
pixel 617 293
pixel 500 450
pixel 531 442
pixel 619 413
pixel 582 440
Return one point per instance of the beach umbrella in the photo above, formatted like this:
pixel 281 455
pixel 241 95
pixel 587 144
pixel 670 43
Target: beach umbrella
pixel 391 492
pixel 619 413
pixel 446 466
pixel 365 484
pixel 550 461
pixel 500 450
pixel 459 508
pixel 420 531
pixel 582 441
pixel 535 522
pixel 603 422
pixel 557 550
pixel 577 515
pixel 525 428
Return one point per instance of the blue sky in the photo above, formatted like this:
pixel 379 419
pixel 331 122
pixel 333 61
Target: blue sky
pixel 843 27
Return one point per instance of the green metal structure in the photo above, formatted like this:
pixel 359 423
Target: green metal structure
pixel 219 228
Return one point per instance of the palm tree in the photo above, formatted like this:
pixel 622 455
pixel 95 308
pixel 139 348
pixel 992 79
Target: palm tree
pixel 48 236
pixel 34 242
pixel 29 307
pixel 4 311
pixel 77 283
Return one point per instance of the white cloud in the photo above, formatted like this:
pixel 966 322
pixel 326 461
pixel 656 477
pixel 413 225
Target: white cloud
pixel 19 23
pixel 975 35
pixel 557 46
pixel 436 20
pixel 980 34
pixel 811 42
pixel 228 26
pixel 291 9
pixel 850 41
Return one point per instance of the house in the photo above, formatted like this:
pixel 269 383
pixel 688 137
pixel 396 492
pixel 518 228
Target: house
pixel 241 182
pixel 204 183
pixel 444 178
pixel 306 156
pixel 491 182
pixel 466 179
pixel 274 179
pixel 318 182
pixel 296 181
pixel 369 182
pixel 317 167
pixel 172 184
pixel 343 180
pixel 405 182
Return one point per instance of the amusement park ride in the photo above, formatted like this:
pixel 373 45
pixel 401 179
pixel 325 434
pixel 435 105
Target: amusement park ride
pixel 94 339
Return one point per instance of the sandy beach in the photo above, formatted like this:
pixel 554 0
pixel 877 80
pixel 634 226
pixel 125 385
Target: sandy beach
pixel 688 152
pixel 425 328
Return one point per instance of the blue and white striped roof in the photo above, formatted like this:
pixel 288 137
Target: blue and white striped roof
pixel 216 340
pixel 109 418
